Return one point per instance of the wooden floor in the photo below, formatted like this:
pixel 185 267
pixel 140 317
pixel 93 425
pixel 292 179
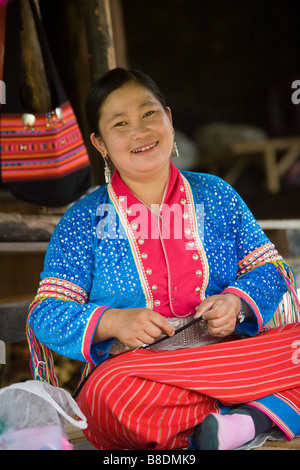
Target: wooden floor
pixel 281 445
pixel 76 436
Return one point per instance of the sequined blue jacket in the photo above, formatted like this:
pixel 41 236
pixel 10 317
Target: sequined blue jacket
pixel 111 251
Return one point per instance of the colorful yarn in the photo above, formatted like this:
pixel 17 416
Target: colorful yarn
pixel 288 310
pixel 41 359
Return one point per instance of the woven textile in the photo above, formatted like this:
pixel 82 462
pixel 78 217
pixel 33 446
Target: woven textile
pixel 43 157
pixel 52 148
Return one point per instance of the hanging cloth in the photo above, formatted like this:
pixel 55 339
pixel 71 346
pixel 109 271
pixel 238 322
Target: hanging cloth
pixel 43 156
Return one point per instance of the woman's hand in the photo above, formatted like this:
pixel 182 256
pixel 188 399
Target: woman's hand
pixel 220 312
pixel 133 327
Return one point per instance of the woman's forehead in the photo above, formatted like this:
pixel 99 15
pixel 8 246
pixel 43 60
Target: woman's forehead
pixel 129 94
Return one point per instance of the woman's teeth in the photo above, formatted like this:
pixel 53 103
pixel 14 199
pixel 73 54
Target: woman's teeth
pixel 142 149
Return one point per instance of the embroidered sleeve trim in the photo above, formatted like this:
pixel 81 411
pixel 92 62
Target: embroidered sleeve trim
pixel 52 287
pixel 260 256
pixel 89 333
pixel 244 296
pixel 199 244
pixel 134 247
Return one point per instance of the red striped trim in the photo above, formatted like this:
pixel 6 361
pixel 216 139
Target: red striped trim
pixel 248 300
pixel 262 255
pixel 45 174
pixel 54 287
pixel 90 331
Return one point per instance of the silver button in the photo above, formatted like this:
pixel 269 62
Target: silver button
pixel 197 289
pixel 181 188
pixel 128 210
pixel 122 198
pixel 187 231
pixel 157 303
pixel 28 119
pixel 182 201
pixel 141 241
pixel 134 226
pixel 191 243
pixel 144 255
pixel 185 215
pixel 149 271
pixel 154 287
pixel 195 256
pixel 59 113
pixel 198 273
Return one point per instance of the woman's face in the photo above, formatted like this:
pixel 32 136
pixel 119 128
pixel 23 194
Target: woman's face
pixel 136 132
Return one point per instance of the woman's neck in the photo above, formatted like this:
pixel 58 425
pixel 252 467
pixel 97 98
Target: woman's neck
pixel 150 191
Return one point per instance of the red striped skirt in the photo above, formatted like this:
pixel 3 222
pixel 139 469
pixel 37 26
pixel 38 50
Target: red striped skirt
pixel 148 399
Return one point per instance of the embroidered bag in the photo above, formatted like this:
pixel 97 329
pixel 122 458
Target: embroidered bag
pixel 43 157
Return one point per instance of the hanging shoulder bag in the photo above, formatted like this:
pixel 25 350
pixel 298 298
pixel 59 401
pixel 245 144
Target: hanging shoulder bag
pixel 43 156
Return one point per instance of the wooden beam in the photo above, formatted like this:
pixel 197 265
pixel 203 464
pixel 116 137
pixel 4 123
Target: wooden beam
pixel 13 317
pixel 99 35
pixel 35 88
pixel 8 248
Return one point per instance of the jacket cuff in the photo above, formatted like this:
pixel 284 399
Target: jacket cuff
pixel 251 327
pixel 89 333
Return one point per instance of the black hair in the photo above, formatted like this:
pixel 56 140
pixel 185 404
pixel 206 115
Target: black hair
pixel 111 81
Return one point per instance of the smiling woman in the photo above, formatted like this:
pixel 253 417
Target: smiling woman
pixel 134 130
pixel 115 281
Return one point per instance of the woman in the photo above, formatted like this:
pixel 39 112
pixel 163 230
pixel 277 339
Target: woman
pixel 148 251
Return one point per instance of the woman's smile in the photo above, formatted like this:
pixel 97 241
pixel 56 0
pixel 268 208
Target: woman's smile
pixel 144 149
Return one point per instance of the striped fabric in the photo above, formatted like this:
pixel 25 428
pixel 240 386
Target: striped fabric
pixel 154 399
pixel 61 289
pixel 51 149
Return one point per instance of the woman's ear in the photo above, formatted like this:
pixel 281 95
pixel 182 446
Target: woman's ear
pixel 169 114
pixel 98 144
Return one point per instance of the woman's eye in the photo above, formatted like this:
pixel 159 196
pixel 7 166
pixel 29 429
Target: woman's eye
pixel 149 113
pixel 120 124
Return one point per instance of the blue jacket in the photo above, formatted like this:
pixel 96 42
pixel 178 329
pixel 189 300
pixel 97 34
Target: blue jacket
pixel 111 251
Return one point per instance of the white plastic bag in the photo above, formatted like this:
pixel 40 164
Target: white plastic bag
pixel 39 438
pixel 34 404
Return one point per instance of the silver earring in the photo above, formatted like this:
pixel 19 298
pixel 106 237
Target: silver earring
pixel 107 173
pixel 175 152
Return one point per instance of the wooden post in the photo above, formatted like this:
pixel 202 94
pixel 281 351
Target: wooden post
pixel 35 89
pixel 2 38
pixel 117 19
pixel 100 43
pixel 99 35
pixel 272 177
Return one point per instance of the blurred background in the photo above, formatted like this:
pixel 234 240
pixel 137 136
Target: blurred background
pixel 226 69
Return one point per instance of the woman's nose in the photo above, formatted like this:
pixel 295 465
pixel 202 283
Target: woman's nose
pixel 139 129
